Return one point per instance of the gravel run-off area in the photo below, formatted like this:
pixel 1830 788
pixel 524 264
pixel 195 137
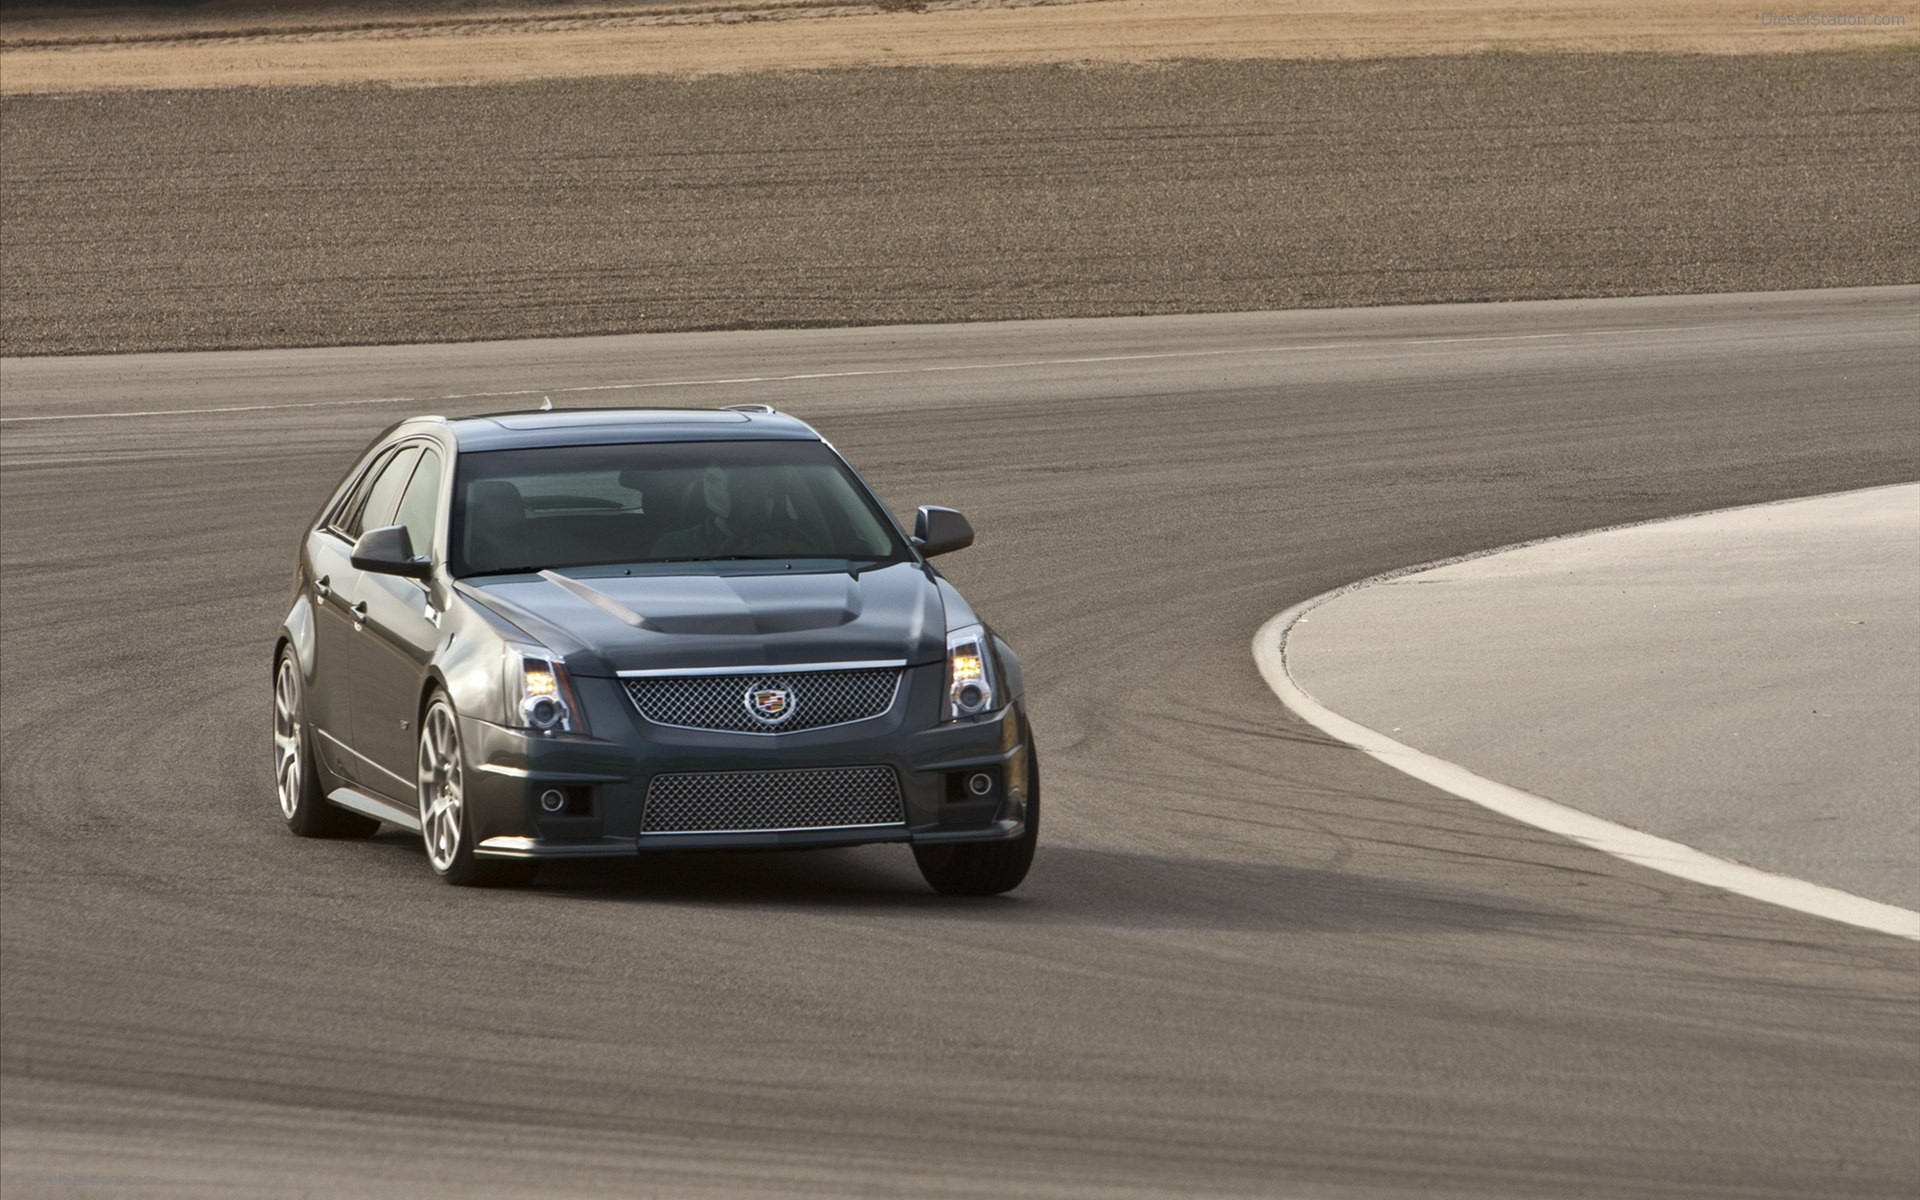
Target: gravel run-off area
pixel 303 216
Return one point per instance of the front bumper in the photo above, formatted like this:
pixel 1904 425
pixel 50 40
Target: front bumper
pixel 605 776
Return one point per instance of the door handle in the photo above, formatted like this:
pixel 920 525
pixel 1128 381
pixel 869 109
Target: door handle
pixel 359 612
pixel 323 587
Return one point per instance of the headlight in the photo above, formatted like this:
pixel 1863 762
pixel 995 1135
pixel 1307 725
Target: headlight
pixel 539 696
pixel 970 676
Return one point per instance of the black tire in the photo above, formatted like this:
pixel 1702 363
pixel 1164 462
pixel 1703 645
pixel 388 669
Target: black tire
pixel 987 868
pixel 461 867
pixel 491 872
pixel 303 805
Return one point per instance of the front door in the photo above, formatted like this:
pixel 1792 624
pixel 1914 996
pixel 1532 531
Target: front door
pixel 389 675
pixel 396 641
pixel 336 588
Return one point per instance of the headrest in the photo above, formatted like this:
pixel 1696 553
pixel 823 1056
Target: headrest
pixel 495 501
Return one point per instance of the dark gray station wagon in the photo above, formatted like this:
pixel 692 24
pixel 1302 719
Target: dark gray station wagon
pixel 574 633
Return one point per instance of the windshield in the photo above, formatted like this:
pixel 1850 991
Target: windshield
pixel 575 506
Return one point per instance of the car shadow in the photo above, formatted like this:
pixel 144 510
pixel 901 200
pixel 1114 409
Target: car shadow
pixel 1069 886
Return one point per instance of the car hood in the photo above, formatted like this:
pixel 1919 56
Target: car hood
pixel 601 620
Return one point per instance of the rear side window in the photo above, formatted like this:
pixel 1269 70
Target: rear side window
pixel 375 508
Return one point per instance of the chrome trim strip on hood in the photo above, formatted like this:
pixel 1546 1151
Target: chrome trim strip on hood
pixel 764 669
pixel 599 599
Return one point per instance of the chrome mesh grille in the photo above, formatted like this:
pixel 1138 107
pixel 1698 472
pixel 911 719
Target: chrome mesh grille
pixel 719 702
pixel 729 801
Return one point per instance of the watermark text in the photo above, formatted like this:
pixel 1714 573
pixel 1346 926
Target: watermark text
pixel 1838 20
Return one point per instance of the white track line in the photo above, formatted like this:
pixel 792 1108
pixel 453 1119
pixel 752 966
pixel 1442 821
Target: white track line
pixel 741 380
pixel 1673 858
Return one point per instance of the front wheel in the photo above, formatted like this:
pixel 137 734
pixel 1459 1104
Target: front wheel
pixel 986 868
pixel 445 829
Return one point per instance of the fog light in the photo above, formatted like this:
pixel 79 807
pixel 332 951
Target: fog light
pixel 553 800
pixel 980 783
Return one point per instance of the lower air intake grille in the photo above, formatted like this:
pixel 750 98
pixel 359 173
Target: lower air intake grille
pixel 745 801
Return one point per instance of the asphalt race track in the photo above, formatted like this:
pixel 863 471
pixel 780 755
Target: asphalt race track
pixel 1249 962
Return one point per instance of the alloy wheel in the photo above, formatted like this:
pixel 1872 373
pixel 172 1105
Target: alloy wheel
pixel 289 732
pixel 440 779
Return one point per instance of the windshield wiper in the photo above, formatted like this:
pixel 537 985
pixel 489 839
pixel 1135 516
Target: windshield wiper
pixel 857 558
pixel 734 558
pixel 504 571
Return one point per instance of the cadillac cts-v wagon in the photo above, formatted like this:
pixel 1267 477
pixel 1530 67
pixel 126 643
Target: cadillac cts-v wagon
pixel 575 633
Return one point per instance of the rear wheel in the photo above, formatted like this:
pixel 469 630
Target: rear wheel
pixel 986 868
pixel 445 829
pixel 295 782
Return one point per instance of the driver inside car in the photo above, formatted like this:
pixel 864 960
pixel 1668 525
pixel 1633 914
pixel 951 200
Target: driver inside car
pixel 744 514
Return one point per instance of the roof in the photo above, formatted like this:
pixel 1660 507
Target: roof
pixel 611 426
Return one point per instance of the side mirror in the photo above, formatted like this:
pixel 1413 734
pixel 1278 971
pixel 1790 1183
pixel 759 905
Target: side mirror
pixel 389 551
pixel 937 530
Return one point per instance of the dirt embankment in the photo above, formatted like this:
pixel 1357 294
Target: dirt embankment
pixel 662 164
pixel 226 218
pixel 245 43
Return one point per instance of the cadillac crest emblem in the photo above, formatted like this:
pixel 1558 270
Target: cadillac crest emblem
pixel 769 706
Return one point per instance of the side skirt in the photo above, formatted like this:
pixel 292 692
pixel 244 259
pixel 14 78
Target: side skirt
pixel 355 800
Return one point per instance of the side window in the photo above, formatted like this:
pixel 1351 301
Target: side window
pixel 420 503
pixel 377 509
pixel 343 513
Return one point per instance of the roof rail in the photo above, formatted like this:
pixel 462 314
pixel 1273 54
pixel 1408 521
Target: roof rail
pixel 766 410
